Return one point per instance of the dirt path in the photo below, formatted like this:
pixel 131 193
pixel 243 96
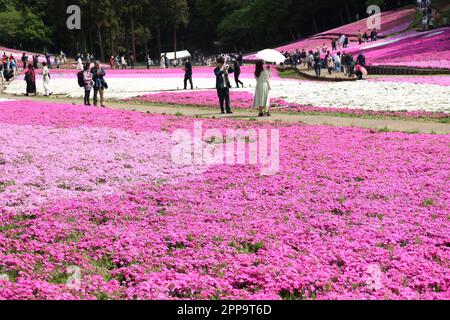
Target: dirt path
pixel 377 124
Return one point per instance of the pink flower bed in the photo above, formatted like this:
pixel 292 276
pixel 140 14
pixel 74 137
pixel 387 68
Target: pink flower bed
pixel 244 100
pixel 352 214
pixel 17 54
pixel 430 50
pixel 391 22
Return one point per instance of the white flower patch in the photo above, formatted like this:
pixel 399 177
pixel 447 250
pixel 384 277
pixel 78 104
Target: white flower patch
pixel 6 100
pixel 366 95
pixel 118 88
pixel 376 96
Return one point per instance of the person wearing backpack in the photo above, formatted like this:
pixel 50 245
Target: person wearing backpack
pixel 87 80
pixel 80 78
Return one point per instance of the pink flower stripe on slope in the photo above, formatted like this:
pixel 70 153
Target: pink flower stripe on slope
pixel 352 214
pixel 431 50
pixel 392 22
pixel 17 54
pixel 244 100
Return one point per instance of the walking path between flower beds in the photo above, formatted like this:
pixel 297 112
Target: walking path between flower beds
pixel 377 124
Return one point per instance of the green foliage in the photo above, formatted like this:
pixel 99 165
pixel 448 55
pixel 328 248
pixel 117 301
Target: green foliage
pixel 11 22
pixel 111 27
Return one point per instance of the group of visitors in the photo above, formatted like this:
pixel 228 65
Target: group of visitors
pixel 235 61
pixel 8 67
pixel 58 60
pixel 322 58
pixel 365 37
pixel 123 61
pixel 93 78
pixel 82 59
pixel 341 63
pixel 223 86
pixel 30 79
pixel 426 9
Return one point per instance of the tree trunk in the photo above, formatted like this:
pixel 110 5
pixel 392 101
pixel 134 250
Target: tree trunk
pixel 341 16
pixel 158 40
pixel 111 41
pixel 133 40
pixel 100 43
pixel 316 29
pixel 347 10
pixel 175 40
pixel 127 41
pixel 91 42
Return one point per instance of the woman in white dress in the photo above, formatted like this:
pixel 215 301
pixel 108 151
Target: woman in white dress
pixel 79 64
pixel 46 79
pixel 262 92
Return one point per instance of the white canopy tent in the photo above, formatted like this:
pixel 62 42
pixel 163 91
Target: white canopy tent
pixel 180 55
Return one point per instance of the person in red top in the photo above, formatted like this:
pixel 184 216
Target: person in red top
pixel 112 62
pixel 30 78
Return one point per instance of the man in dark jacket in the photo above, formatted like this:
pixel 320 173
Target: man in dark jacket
pixel 223 84
pixel 188 74
pixel 24 61
pixel 98 74
pixel 317 62
pixel 361 60
pixel 350 65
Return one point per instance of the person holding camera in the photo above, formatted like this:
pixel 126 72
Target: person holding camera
pixel 223 84
pixel 98 74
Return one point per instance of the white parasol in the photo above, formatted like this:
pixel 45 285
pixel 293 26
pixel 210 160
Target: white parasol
pixel 271 55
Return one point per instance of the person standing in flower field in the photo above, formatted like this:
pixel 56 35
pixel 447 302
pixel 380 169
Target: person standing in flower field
pixel 223 84
pixel 30 79
pixel 262 91
pixel 24 60
pixel 79 63
pixel 188 74
pixel 123 62
pixel 100 85
pixel 317 62
pixel 112 61
pixel 87 78
pixel 360 37
pixel 330 62
pixel 132 61
pixel 13 66
pixel 237 73
pixel 46 79
pixel 334 44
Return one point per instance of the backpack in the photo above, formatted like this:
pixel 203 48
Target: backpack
pixel 80 77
